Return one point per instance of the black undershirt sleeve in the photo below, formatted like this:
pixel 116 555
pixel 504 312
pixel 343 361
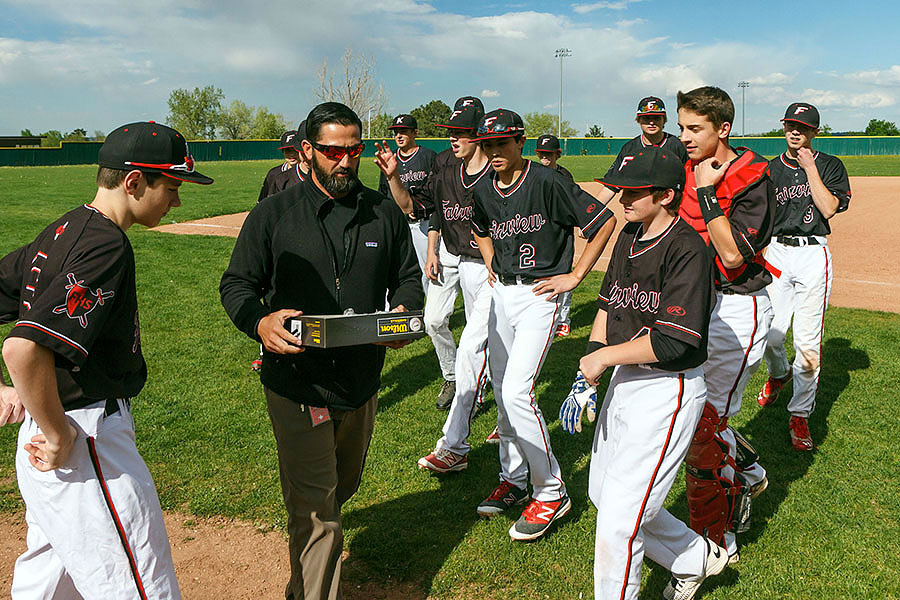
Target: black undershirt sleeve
pixel 667 348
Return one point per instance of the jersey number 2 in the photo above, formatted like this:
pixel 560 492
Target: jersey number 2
pixel 526 256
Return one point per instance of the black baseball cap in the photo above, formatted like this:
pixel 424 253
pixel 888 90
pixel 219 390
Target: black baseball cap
pixel 288 140
pixel 151 148
pixel 500 123
pixel 466 117
pixel 652 167
pixel 301 134
pixel 801 112
pixel 404 122
pixel 547 143
pixel 469 101
pixel 651 105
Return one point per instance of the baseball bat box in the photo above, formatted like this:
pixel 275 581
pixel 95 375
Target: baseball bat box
pixel 332 331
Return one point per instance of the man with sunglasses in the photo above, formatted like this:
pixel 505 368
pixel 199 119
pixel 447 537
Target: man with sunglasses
pixel 325 247
pixel 810 188
pixel 523 222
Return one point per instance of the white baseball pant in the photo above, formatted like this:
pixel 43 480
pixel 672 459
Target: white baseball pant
pixel 643 432
pixel 439 304
pixel 95 527
pixel 471 356
pixel 801 293
pixel 521 327
pixel 419 232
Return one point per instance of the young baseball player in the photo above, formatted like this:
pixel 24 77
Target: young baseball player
pixel 523 222
pixel 293 170
pixel 95 527
pixel 651 117
pixel 458 266
pixel 729 200
pixel 548 152
pixel 651 326
pixel 810 188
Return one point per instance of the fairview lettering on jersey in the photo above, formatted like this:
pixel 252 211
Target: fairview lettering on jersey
pixel 413 176
pixel 517 225
pixel 457 212
pixel 786 192
pixel 633 297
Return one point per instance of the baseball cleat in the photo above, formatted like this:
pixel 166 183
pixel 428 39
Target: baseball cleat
pixel 494 438
pixel 537 518
pixel 445 396
pixel 503 496
pixel 443 461
pixel 685 589
pixel 801 440
pixel 769 393
pixel 563 329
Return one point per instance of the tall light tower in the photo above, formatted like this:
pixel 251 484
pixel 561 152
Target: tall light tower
pixel 561 53
pixel 743 85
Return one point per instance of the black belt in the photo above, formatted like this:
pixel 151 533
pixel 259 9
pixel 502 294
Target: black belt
pixel 510 279
pixel 797 240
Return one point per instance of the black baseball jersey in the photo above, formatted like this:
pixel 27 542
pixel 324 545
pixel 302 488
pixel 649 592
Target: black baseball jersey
pixel 451 192
pixel 663 284
pixel 565 172
pixel 795 211
pixel 633 146
pixel 73 291
pixel 531 221
pixel 280 178
pixel 413 170
pixel 444 158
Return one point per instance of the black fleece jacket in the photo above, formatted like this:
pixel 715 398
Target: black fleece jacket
pixel 282 259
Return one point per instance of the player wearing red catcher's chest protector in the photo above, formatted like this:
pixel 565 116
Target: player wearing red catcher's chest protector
pixel 729 200
pixel 810 188
pixel 523 222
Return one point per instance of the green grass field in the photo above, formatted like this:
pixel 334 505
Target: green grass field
pixel 827 527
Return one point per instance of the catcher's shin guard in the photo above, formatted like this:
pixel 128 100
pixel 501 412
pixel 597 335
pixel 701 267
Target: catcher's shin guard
pixel 709 495
pixel 744 454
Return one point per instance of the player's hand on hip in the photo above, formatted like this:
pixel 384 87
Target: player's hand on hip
pixel 385 159
pixel 275 338
pixel 492 277
pixel 432 267
pixel 51 452
pixel 805 159
pixel 582 399
pixel 592 366
pixel 11 408
pixel 710 172
pixel 558 284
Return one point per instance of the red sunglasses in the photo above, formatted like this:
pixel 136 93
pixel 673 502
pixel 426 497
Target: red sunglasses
pixel 338 152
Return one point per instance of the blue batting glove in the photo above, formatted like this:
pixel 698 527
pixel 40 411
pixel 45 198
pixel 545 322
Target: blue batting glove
pixel 582 398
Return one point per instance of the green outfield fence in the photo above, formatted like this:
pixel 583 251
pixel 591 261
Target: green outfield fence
pixel 85 153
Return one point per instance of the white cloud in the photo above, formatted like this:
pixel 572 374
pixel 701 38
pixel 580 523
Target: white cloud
pixel 151 81
pixel 841 99
pixel 890 77
pixel 582 9
pixel 490 94
pixel 772 79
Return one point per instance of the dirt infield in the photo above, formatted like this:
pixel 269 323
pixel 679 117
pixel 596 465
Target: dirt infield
pixel 859 281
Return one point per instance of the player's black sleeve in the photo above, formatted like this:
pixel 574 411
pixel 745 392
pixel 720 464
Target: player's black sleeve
pixel 72 311
pixel 481 223
pixel 424 201
pixel 684 300
pixel 571 206
pixel 752 218
pixel 435 220
pixel 383 185
pixel 667 348
pixel 249 274
pixel 834 176
pixel 12 268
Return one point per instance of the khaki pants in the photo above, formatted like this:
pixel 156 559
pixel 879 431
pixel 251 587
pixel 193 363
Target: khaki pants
pixel 320 469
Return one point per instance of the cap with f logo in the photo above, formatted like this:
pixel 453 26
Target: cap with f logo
pixel 801 112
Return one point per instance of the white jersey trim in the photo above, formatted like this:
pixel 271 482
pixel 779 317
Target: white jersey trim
pixel 512 189
pixel 409 157
pixel 631 252
pixel 462 175
pixel 55 334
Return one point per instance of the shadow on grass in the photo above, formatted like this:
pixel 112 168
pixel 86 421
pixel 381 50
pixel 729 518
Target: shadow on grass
pixel 768 432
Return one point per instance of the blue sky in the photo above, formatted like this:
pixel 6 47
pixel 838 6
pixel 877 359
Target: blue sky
pixel 100 63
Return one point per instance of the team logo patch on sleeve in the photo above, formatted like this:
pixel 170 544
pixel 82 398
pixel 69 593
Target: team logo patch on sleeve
pixel 80 300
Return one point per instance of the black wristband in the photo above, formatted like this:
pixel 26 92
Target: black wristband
pixel 593 346
pixel 709 206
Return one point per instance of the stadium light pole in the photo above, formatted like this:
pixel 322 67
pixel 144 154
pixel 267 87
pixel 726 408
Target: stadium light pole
pixel 561 53
pixel 743 85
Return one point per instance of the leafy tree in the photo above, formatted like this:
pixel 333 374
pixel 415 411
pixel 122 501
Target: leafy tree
pixel 76 135
pixel 26 133
pixel 379 126
pixel 99 136
pixel 429 114
pixel 195 113
pixel 267 125
pixel 236 121
pixel 879 127
pixel 540 123
pixel 595 131
pixel 51 139
pixel 779 132
pixel 826 130
pixel 356 86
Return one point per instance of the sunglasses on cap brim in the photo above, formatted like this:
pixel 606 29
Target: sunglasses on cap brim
pixel 338 152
